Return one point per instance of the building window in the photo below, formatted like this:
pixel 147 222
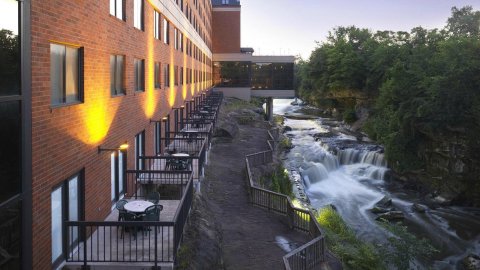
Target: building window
pixel 157 75
pixel 175 74
pixel 117 77
pixel 66 71
pixel 139 75
pixel 66 205
pixel 166 32
pixel 156 24
pixel 138 14
pixel 181 41
pixel 175 36
pixel 117 9
pixel 139 150
pixel 118 167
pixel 181 75
pixel 166 75
pixel 158 136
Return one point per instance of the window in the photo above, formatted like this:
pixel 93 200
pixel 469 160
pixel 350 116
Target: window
pixel 66 70
pixel 118 167
pixel 66 205
pixel 156 24
pixel 158 136
pixel 117 67
pixel 139 75
pixel 166 75
pixel 175 70
pixel 181 41
pixel 157 75
pixel 140 150
pixel 166 32
pixel 138 14
pixel 117 9
pixel 181 75
pixel 175 41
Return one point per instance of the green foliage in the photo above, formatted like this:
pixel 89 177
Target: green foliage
pixel 349 116
pixel 405 247
pixel 424 83
pixel 281 181
pixel 285 143
pixel 341 240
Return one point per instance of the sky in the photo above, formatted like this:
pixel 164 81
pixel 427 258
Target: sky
pixel 291 27
pixel 8 16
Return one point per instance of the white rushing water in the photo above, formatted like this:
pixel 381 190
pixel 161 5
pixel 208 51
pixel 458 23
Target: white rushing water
pixel 353 180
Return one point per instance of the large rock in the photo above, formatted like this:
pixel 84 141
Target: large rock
pixel 385 202
pixel 471 262
pixel 227 129
pixel 391 216
pixel 202 243
pixel 419 208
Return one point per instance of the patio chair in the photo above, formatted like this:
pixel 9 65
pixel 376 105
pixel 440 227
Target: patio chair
pixel 153 197
pixel 133 229
pixel 121 210
pixel 152 213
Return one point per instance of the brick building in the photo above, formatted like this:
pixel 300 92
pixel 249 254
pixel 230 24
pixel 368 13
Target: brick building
pixel 80 77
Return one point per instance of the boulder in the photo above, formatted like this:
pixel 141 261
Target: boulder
pixel 227 129
pixel 380 210
pixel 287 128
pixel 385 202
pixel 391 216
pixel 419 208
pixel 471 262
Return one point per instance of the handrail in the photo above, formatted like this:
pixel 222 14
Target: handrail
pixel 309 255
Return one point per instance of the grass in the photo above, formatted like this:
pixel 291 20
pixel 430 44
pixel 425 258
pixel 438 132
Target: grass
pixel 286 143
pixel 342 241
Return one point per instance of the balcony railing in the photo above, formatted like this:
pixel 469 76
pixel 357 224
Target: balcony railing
pixel 138 242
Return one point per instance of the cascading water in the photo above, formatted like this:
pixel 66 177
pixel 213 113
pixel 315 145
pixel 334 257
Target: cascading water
pixel 337 170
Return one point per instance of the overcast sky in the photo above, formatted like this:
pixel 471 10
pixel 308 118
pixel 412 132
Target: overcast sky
pixel 292 26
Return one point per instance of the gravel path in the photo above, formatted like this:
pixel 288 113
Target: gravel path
pixel 250 234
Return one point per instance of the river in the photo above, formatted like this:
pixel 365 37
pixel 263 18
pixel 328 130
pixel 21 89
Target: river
pixel 330 167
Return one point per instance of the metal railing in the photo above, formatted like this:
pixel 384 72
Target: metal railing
pixel 308 256
pixel 141 182
pixel 151 242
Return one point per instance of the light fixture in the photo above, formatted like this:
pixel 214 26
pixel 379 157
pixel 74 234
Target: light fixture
pixel 122 147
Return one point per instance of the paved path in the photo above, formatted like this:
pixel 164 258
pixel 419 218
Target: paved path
pixel 249 233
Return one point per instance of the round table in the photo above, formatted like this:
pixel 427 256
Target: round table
pixel 137 206
pixel 180 155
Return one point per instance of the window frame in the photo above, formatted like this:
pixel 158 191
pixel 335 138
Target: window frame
pixel 139 69
pixel 157 75
pixel 123 90
pixel 79 73
pixel 140 20
pixel 122 17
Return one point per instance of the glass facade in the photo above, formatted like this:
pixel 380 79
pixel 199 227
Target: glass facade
pixel 258 76
pixel 231 74
pixel 10 136
pixel 225 2
pixel 272 76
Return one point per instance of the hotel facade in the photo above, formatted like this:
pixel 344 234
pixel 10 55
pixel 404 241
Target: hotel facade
pixel 88 89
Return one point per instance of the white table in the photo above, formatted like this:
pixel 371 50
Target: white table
pixel 180 155
pixel 137 206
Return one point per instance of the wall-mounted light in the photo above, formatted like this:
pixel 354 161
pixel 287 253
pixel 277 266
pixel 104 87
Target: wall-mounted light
pixel 122 147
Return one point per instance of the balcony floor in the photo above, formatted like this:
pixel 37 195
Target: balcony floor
pixel 107 248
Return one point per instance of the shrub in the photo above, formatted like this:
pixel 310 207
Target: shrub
pixel 349 116
pixel 341 240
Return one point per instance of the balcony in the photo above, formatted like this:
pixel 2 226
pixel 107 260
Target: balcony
pixel 150 244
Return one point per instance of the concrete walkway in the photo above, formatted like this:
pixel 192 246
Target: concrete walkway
pixel 250 234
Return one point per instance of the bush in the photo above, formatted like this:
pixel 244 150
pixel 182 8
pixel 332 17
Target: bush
pixel 341 240
pixel 349 116
pixel 286 143
pixel 405 247
pixel 281 181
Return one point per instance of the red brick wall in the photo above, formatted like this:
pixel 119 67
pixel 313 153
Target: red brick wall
pixel 65 139
pixel 226 32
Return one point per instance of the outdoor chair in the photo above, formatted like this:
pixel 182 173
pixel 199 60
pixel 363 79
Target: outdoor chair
pixel 153 197
pixel 121 210
pixel 152 213
pixel 132 229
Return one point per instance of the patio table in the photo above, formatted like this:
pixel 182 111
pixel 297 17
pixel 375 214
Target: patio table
pixel 137 207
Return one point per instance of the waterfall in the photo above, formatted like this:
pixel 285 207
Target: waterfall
pixel 352 156
pixel 314 174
